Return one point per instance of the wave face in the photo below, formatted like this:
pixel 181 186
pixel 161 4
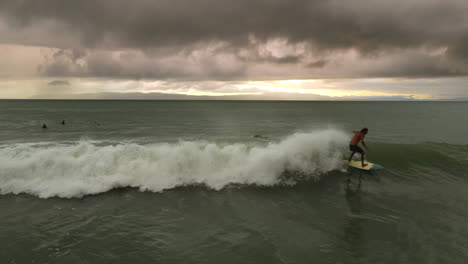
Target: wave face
pixel 83 168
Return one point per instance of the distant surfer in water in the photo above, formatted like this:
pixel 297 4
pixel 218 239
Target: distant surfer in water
pixel 353 145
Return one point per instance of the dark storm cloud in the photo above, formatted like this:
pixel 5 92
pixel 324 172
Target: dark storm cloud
pixel 364 24
pixel 373 28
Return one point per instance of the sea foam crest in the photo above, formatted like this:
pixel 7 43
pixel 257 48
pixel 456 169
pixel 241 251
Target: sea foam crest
pixel 86 168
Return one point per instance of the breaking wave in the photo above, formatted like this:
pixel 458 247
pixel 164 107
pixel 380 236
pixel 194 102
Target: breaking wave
pixel 82 168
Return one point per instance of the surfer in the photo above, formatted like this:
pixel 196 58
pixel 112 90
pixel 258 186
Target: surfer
pixel 44 126
pixel 353 145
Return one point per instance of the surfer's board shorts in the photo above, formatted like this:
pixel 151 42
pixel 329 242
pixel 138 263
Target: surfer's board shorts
pixel 355 148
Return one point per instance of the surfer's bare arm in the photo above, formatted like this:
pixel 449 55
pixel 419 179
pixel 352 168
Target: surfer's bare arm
pixel 364 144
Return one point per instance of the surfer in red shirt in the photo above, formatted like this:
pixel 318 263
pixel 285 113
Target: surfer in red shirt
pixel 353 145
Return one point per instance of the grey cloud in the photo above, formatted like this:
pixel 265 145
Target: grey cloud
pixel 63 63
pixel 374 28
pixel 459 49
pixel 138 65
pixel 203 65
pixel 317 64
pixel 420 65
pixel 286 60
pixel 362 24
pixel 58 83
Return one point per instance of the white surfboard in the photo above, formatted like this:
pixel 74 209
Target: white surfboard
pixel 358 165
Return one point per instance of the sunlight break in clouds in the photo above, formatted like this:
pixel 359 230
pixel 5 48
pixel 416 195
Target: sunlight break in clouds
pixel 298 86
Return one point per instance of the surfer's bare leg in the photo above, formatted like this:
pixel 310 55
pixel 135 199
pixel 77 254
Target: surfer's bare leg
pixel 362 160
pixel 351 156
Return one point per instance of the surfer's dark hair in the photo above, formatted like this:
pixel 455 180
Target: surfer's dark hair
pixel 364 129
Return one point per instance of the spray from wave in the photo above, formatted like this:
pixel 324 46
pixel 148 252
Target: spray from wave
pixel 87 168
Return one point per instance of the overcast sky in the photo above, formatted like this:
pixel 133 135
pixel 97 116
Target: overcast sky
pixel 246 49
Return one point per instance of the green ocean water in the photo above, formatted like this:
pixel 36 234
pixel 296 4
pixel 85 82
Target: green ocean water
pixel 231 182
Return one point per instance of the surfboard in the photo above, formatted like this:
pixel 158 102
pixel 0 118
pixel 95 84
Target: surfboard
pixel 358 165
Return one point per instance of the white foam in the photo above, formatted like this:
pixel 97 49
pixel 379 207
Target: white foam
pixel 86 168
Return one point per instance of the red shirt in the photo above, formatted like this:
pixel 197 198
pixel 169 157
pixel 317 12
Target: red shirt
pixel 358 136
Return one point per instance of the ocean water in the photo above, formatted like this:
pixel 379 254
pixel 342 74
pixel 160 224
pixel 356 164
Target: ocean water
pixel 232 182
